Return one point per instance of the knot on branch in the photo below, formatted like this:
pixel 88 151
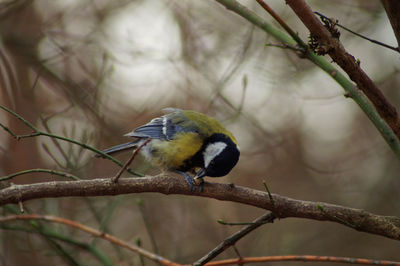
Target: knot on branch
pixel 317 44
pixel 331 25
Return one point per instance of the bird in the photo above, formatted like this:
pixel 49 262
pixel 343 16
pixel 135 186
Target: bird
pixel 185 141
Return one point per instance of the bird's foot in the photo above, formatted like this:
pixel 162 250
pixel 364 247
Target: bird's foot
pixel 192 182
pixel 199 181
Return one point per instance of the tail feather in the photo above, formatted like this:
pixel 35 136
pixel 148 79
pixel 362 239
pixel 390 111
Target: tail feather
pixel 120 148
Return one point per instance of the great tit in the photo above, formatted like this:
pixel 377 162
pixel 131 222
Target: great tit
pixel 185 141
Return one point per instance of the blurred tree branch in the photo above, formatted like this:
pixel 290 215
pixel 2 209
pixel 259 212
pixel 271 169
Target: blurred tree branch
pixel 163 261
pixel 52 235
pixel 91 231
pixel 40 170
pixel 303 258
pixel 383 116
pixel 328 43
pixel 334 22
pixel 283 207
pixel 36 132
pixel 230 241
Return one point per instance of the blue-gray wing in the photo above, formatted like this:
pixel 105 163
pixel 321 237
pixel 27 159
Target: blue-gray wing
pixel 164 127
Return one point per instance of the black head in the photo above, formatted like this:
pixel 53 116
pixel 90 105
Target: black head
pixel 219 155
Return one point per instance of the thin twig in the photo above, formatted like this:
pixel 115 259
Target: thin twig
pixel 40 170
pixel 147 225
pixel 37 132
pixel 230 241
pixel 269 194
pixel 9 131
pixel 65 155
pixel 281 22
pixel 238 255
pixel 304 258
pixel 93 232
pixel 235 224
pixel 358 34
pixel 51 155
pixel 286 46
pixel 117 176
pixel 52 236
pixel 139 243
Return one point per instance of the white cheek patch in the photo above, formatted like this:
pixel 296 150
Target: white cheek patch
pixel 212 151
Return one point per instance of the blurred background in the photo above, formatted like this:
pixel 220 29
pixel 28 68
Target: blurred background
pixel 93 70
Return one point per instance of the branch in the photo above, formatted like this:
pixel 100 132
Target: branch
pixel 230 241
pixel 40 170
pixel 164 261
pixel 92 232
pixel 37 132
pixel 303 258
pixel 282 207
pixel 356 33
pixel 359 97
pixel 332 46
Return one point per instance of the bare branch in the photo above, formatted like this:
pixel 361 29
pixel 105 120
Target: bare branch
pixel 37 132
pixel 357 34
pixel 303 258
pixel 230 241
pixel 332 46
pixel 283 207
pixel 40 170
pixel 136 151
pixel 163 261
pixel 92 232
pixel 351 91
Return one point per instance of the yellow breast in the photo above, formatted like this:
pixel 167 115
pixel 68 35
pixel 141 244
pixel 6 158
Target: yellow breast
pixel 172 154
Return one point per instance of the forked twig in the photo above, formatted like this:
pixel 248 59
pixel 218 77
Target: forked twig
pixel 230 241
pixel 118 175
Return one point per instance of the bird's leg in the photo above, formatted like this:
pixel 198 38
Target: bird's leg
pixel 198 178
pixel 188 179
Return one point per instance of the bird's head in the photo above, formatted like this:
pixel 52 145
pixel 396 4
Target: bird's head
pixel 219 154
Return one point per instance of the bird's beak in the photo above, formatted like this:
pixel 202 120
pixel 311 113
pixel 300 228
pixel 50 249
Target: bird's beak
pixel 201 173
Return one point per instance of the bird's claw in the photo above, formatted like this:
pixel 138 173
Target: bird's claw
pixel 192 182
pixel 200 183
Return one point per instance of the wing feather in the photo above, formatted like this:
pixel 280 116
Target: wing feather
pixel 164 127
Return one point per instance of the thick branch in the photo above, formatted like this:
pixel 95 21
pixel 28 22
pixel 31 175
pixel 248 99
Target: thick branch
pixel 347 62
pixel 282 207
